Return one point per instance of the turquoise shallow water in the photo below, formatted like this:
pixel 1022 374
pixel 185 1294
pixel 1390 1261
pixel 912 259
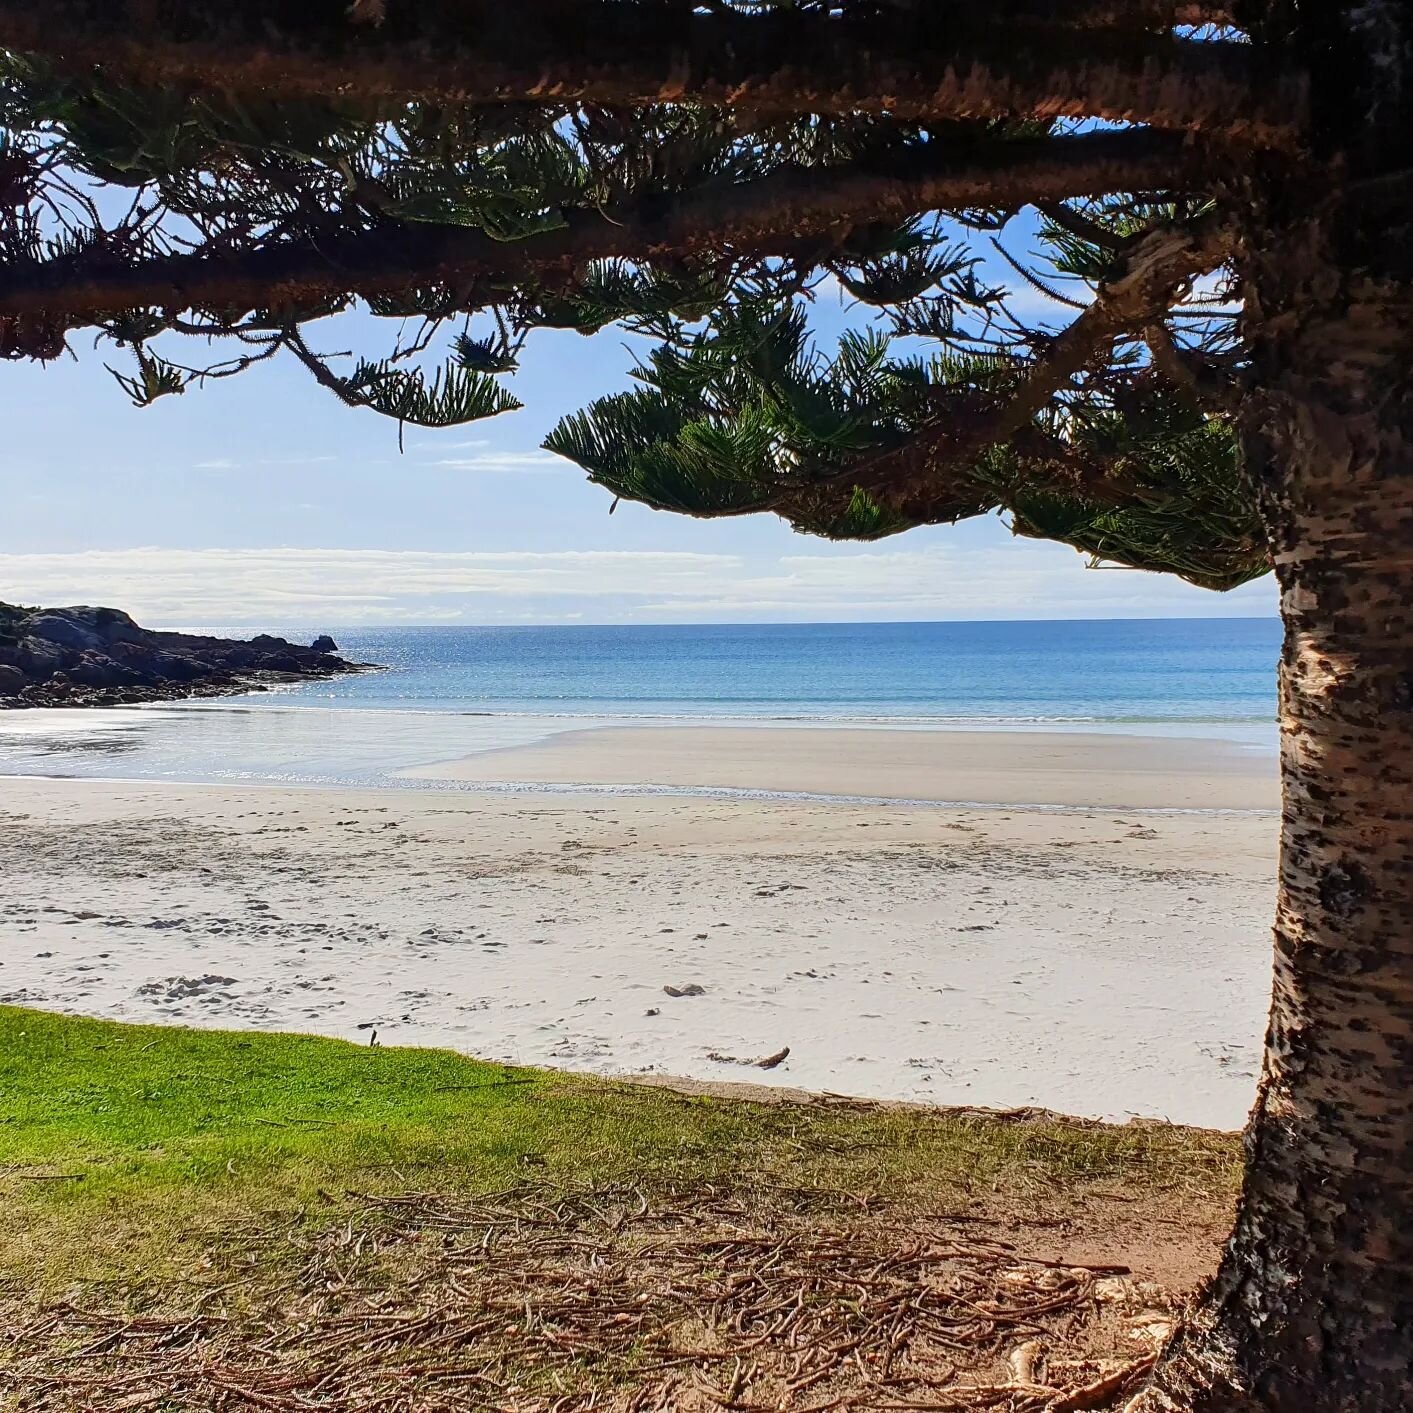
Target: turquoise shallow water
pixel 451 691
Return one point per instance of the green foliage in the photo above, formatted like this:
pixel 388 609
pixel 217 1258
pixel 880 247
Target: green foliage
pixel 154 379
pixel 455 395
pixel 727 420
pixel 485 355
pixel 915 265
pixel 863 518
pixel 1187 508
pixel 645 449
pixel 749 415
pixel 735 408
pixel 643 296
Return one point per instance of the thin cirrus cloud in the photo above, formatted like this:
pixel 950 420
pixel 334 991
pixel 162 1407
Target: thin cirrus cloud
pixel 507 461
pixel 1021 580
pixel 225 463
pixel 352 586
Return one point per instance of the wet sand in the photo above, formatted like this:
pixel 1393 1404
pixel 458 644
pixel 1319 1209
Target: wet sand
pixel 967 767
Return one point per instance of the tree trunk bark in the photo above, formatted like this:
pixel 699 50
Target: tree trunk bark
pixel 1010 58
pixel 1312 1309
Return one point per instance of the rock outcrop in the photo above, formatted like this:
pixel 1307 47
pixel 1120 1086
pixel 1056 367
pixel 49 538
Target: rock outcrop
pixel 99 657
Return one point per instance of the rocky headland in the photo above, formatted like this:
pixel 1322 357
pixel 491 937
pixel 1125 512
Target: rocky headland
pixel 86 656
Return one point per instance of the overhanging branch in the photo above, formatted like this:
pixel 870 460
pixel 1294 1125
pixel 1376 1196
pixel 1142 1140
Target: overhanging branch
pixel 765 216
pixel 925 62
pixel 1157 269
pixel 1140 14
pixel 931 479
pixel 1202 378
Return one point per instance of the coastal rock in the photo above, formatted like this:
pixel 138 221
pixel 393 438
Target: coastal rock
pixel 39 658
pixel 65 629
pixel 86 656
pixel 323 644
pixel 182 667
pixel 96 669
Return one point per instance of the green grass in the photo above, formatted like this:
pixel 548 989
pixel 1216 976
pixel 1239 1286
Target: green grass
pixel 116 1139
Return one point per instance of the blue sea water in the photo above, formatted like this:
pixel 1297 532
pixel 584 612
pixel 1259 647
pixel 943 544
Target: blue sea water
pixel 1160 670
pixel 447 692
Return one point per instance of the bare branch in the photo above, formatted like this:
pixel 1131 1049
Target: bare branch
pixel 772 214
pixel 913 63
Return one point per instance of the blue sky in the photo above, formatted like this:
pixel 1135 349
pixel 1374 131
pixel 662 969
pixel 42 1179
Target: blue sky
pixel 262 501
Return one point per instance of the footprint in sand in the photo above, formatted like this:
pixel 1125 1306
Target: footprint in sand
pixel 171 990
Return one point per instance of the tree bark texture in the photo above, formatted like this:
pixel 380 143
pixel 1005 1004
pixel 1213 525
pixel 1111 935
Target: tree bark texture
pixel 1011 58
pixel 769 215
pixel 1312 1310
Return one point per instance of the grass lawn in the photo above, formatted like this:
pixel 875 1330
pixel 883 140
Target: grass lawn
pixel 158 1170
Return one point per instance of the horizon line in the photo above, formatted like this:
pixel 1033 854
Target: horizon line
pixel 748 623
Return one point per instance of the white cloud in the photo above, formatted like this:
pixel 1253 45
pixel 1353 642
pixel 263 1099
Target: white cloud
pixel 349 586
pixel 224 463
pixel 224 585
pixel 1018 580
pixel 511 461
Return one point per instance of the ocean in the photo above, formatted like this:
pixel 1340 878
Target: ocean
pixel 448 692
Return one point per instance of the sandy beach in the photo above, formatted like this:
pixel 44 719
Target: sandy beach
pixel 1101 961
pixel 1022 768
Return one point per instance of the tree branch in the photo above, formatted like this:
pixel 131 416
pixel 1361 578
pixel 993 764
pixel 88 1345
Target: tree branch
pixel 1158 268
pixel 1141 14
pixel 913 63
pixel 1203 380
pixel 934 469
pixel 1080 226
pixel 771 214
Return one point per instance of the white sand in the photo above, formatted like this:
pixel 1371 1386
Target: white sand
pixel 959 767
pixel 1096 962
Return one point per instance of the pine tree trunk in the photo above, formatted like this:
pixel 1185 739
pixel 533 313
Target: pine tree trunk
pixel 1313 1308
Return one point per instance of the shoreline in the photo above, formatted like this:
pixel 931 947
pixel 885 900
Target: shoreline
pixel 263 741
pixel 86 656
pixel 954 768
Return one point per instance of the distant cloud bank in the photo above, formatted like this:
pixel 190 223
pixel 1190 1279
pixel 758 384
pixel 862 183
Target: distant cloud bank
pixel 358 586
